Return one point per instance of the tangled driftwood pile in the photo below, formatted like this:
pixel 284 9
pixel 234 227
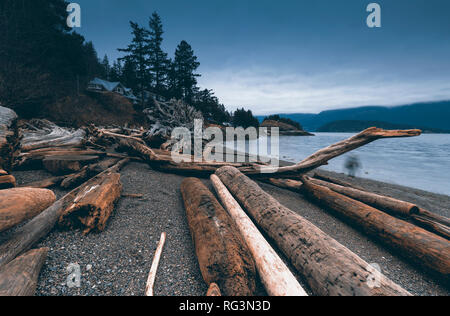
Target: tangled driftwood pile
pixel 230 249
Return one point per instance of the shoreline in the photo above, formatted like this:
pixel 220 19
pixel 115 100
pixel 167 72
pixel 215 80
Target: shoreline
pixel 117 261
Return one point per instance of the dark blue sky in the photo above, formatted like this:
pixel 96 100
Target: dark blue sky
pixel 295 55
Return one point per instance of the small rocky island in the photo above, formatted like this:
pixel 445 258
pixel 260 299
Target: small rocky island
pixel 287 126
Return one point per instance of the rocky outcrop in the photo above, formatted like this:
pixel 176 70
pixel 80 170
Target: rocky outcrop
pixel 285 129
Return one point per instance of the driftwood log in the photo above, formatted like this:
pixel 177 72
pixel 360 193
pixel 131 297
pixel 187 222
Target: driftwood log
pixel 432 222
pixel 7 181
pixel 223 256
pixel 164 160
pixel 44 184
pixel 213 290
pixel 422 247
pixel 20 204
pixel 326 178
pixel 328 267
pixel 149 289
pixel 93 205
pixel 20 276
pixel 87 172
pixel 275 275
pixel 43 133
pixel 27 235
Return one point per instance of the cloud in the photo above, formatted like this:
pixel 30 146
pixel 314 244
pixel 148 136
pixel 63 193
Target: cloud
pixel 266 91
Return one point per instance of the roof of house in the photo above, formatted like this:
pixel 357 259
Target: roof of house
pixel 110 86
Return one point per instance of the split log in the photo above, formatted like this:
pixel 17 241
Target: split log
pixel 223 256
pixel 60 165
pixel 418 245
pixel 275 275
pixel 328 267
pixel 385 203
pixel 26 236
pixel 93 205
pixel 432 225
pixel 20 276
pixel 213 290
pixel 154 268
pixel 20 204
pixel 7 182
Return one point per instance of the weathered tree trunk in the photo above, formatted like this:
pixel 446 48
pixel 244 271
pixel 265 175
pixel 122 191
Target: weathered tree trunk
pixel 223 256
pixel 20 204
pixel 41 225
pixel 417 244
pixel 329 267
pixel 388 204
pixel 149 289
pixel 7 182
pixel 322 156
pixel 44 184
pixel 93 205
pixel 20 276
pixel 289 184
pixel 275 275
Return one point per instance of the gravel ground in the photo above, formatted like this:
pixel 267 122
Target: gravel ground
pixel 117 261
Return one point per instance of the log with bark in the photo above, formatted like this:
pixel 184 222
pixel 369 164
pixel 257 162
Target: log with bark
pixel 20 276
pixel 326 178
pixel 93 205
pixel 223 255
pixel 20 204
pixel 328 267
pixel 432 222
pixel 275 275
pixel 87 172
pixel 26 236
pixel 418 245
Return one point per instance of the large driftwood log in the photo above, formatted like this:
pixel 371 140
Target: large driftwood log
pixel 275 275
pixel 44 184
pixel 93 205
pixel 41 225
pixel 432 222
pixel 87 172
pixel 323 177
pixel 260 170
pixel 417 244
pixel 20 276
pixel 328 267
pixel 47 134
pixel 223 256
pixel 20 204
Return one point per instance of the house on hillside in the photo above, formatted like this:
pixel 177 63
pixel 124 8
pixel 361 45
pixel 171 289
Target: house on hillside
pixel 100 85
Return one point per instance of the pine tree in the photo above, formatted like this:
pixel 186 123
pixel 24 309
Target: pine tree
pixel 158 61
pixel 138 59
pixel 106 67
pixel 116 71
pixel 184 67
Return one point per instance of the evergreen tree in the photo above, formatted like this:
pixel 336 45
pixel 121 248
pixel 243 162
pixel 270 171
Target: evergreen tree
pixel 106 68
pixel 184 67
pixel 158 62
pixel 137 58
pixel 116 71
pixel 245 119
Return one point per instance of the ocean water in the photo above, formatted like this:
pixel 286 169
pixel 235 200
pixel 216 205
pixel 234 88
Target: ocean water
pixel 420 162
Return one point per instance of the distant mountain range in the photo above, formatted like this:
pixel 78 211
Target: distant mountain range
pixel 431 117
